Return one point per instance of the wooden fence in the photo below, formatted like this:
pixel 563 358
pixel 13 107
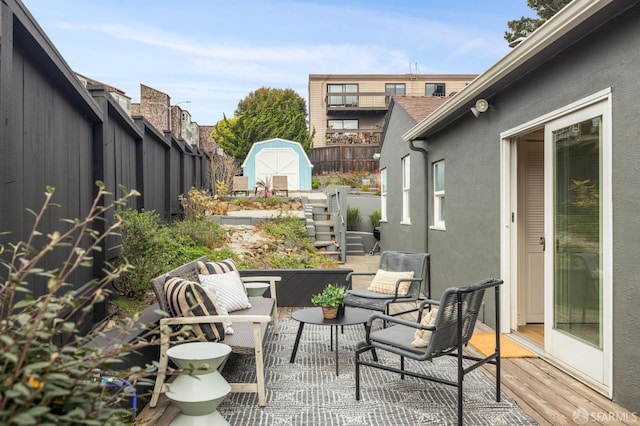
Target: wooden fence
pixel 344 158
pixel 56 132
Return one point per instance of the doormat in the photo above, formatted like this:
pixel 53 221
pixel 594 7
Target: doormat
pixel 486 344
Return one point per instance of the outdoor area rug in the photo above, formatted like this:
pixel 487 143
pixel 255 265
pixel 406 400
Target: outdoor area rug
pixel 307 392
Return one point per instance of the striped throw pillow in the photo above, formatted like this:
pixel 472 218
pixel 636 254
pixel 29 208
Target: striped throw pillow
pixel 222 267
pixel 188 299
pixel 229 290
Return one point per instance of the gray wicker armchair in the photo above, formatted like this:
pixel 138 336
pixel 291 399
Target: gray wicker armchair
pixel 419 285
pixel 453 325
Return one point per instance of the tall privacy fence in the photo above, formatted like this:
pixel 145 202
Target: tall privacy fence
pixel 344 158
pixel 56 132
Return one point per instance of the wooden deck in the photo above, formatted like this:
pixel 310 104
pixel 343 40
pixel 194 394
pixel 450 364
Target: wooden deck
pixel 547 394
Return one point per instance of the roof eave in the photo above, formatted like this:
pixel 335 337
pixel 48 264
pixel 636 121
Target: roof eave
pixel 554 29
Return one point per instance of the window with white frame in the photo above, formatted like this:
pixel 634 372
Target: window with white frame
pixel 406 187
pixel 438 195
pixel 383 196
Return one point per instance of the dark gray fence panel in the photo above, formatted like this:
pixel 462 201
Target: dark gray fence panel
pixel 116 145
pixel 155 166
pixel 46 135
pixel 176 176
pixel 55 132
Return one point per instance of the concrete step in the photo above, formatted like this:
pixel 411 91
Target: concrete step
pixel 355 249
pixel 321 217
pixel 324 236
pixel 319 208
pixel 325 245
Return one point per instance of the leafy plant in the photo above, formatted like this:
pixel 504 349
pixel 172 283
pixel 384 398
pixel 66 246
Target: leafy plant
pixel 150 248
pixel 330 297
pixel 316 182
pixel 48 375
pixel 202 231
pixel 374 218
pixel 353 218
pixel 222 188
pixel 198 204
pixel 265 187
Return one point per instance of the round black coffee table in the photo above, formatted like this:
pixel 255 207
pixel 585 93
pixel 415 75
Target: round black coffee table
pixel 351 316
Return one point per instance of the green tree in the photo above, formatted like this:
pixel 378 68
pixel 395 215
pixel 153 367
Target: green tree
pixel 524 26
pixel 264 114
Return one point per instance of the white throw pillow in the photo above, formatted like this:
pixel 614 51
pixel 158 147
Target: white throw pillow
pixel 422 337
pixel 385 282
pixel 229 290
pixel 228 329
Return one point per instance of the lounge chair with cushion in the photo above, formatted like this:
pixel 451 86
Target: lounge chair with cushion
pixel 401 277
pixel 443 328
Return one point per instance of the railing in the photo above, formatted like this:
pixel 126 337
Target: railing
pixel 353 136
pixel 357 100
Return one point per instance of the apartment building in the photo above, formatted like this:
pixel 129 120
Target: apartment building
pixel 351 108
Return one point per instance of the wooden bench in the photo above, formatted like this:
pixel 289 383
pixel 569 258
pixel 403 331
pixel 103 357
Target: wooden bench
pixel 240 184
pixel 280 183
pixel 249 327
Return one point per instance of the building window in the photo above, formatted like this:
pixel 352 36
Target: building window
pixel 342 124
pixel 406 187
pixel 342 131
pixel 383 196
pixel 438 195
pixel 342 101
pixel 395 88
pixel 435 89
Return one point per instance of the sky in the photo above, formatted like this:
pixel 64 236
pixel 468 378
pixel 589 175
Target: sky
pixel 214 53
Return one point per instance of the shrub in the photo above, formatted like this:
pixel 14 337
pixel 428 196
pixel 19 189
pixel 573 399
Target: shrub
pixel 150 248
pixel 316 183
pixel 374 218
pixel 201 231
pixel 198 204
pixel 365 188
pixel 353 218
pixel 48 375
pixel 286 227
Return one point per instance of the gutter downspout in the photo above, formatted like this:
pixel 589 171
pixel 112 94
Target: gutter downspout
pixel 425 154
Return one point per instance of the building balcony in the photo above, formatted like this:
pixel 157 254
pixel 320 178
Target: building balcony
pixel 353 136
pixel 338 103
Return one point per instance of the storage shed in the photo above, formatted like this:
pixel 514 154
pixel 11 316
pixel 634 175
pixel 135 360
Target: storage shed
pixel 278 157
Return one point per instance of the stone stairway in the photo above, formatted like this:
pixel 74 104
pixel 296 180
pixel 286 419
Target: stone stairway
pixel 319 225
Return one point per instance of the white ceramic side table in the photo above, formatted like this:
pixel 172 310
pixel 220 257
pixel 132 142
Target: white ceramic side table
pixel 255 289
pixel 201 388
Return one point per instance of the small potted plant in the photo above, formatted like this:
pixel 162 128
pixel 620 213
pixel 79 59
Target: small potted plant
pixel 330 300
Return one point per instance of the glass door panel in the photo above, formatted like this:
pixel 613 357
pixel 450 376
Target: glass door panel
pixel 577 255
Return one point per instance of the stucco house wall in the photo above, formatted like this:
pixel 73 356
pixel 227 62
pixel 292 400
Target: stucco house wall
pixel 394 234
pixel 469 249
